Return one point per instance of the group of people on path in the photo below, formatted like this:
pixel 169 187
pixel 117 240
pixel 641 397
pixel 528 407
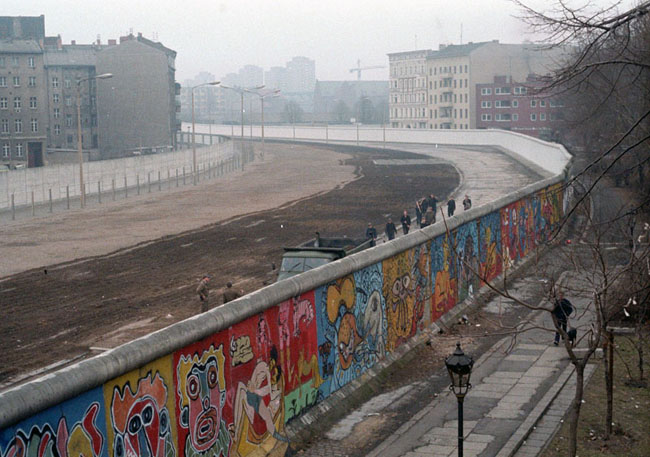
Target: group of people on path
pixel 203 291
pixel 425 215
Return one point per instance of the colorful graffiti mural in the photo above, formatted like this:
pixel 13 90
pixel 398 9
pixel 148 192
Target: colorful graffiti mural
pixel 232 393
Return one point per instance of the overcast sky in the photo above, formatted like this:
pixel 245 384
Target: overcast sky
pixel 220 36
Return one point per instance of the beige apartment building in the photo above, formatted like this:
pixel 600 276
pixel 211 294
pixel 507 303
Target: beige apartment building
pixel 408 89
pixel 437 89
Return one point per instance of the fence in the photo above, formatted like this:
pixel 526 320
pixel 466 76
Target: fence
pixel 45 186
pixel 259 362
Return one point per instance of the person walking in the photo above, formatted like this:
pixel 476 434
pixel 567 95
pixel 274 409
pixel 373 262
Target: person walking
pixel 418 213
pixel 231 294
pixel 203 290
pixel 451 207
pixel 406 222
pixel 429 217
pixel 561 312
pixel 391 230
pixel 467 203
pixel 371 234
pixel 433 203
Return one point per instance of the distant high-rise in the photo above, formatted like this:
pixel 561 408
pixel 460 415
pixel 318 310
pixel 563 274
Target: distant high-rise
pixel 251 76
pixel 301 75
pixel 276 78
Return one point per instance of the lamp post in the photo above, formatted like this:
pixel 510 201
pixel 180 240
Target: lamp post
pixel 79 142
pixel 241 92
pixel 213 83
pixel 275 93
pixel 459 366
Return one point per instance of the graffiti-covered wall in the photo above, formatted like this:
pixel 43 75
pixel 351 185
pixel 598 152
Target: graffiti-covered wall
pixel 231 392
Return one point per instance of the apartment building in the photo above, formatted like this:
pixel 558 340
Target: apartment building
pixel 137 107
pixel 519 106
pixel 408 89
pixel 23 96
pixel 64 66
pixel 437 89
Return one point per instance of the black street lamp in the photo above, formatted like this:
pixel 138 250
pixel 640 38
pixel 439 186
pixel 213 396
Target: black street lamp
pixel 459 366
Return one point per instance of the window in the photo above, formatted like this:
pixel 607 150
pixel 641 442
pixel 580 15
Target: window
pixel 18 125
pixel 69 139
pixel 16 81
pixel 3 81
pixel 486 117
pixel 502 117
pixel 4 126
pixel 57 129
pixel 34 125
pixel 542 116
pixel 5 150
pixel 66 83
pixel 68 120
pixel 17 104
pixel 486 104
pixel 533 117
pixel 4 103
pixel 515 103
pixel 15 61
pixel 515 117
pixel 55 98
pixel 501 90
pixel 31 62
pixel 55 82
pixel 32 81
pixel 465 68
pixel 520 90
pixel 533 103
pixel 32 102
pixel 486 91
pixel 57 113
pixel 2 62
pixel 68 100
pixel 542 103
pixel 502 103
pixel 19 150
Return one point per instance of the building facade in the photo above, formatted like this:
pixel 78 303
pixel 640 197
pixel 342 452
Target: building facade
pixel 408 89
pixel 437 89
pixel 23 92
pixel 520 107
pixel 137 108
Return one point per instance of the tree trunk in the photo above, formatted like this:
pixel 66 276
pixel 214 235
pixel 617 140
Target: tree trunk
pixel 608 361
pixel 574 414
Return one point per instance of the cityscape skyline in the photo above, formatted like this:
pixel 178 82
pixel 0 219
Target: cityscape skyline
pixel 335 34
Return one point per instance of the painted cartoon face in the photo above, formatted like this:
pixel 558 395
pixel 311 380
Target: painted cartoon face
pixel 146 429
pixel 202 389
pixel 349 339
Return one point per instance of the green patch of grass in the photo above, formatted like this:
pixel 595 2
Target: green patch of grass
pixel 631 437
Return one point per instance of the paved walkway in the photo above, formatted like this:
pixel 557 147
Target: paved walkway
pixel 519 397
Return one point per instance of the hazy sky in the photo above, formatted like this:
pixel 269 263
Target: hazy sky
pixel 220 36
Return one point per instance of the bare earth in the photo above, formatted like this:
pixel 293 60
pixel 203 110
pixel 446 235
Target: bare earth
pixel 111 226
pixel 128 268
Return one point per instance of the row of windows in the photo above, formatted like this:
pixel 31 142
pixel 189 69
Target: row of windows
pixel 515 103
pixel 515 117
pixel 18 126
pixel 4 103
pixel 519 90
pixel 6 149
pixel 448 69
pixel 433 99
pixel 31 81
pixel 15 61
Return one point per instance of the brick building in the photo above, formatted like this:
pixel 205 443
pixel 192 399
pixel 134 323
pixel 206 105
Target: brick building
pixel 518 106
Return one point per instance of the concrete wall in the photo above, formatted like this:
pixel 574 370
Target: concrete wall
pixel 551 157
pixel 274 353
pixel 21 183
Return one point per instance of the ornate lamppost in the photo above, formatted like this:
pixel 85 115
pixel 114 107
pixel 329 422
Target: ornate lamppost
pixel 459 366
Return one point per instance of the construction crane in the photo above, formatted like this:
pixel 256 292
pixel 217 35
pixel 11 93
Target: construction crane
pixel 359 68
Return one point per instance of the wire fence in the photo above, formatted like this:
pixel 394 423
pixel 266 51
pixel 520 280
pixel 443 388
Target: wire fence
pixel 40 191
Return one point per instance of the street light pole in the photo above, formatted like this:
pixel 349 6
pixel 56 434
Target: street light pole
pixel 80 153
pixel 460 366
pixel 275 93
pixel 194 174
